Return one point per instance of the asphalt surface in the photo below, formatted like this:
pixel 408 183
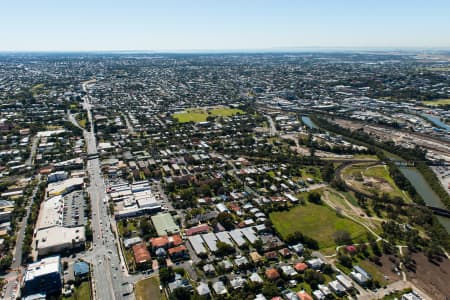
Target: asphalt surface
pixel 273 129
pixel 109 272
pixel 34 144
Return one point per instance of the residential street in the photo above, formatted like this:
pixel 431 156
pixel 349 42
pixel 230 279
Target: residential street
pixel 13 285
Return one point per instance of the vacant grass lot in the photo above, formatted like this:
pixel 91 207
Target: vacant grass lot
pixel 82 122
pixel 316 221
pixel 83 292
pixel 437 102
pixel 200 114
pixel 383 181
pixel 382 172
pixel 148 289
pixel 373 270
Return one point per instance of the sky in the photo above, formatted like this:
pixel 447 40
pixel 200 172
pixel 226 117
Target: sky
pixel 176 25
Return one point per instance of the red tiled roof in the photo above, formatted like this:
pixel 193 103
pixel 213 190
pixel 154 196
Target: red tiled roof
pixel 46 170
pixel 304 295
pixel 141 254
pixel 159 242
pixel 175 240
pixel 300 267
pixel 166 241
pixel 197 229
pixel 235 207
pixel 177 249
pixel 272 274
pixel 271 255
pixel 285 252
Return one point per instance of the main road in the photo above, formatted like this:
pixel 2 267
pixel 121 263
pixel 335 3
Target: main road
pixel 109 272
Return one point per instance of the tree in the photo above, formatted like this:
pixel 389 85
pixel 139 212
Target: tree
pixel 342 237
pixel 224 249
pixel 314 197
pixel 205 190
pixel 375 248
pixel 166 275
pixel 327 269
pixel 180 294
pixel 226 220
pixel 259 246
pixel 313 278
pixel 298 237
pixel 5 263
pixel 144 225
pixel 88 231
pixel 339 184
pixel 345 260
pixel 328 172
pixel 270 290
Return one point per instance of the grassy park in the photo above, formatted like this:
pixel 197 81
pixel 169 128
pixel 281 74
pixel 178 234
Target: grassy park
pixel 37 89
pixel 376 179
pixel 201 114
pixel 316 221
pixel 437 102
pixel 82 122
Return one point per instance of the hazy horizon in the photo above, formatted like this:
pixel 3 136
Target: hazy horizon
pixel 226 26
pixel 246 50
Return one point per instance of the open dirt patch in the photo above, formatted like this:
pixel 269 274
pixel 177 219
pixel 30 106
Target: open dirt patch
pixel 433 278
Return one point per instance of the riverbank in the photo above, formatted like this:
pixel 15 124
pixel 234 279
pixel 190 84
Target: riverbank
pixel 417 178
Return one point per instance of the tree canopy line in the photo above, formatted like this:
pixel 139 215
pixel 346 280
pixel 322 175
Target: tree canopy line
pixel 422 217
pixel 415 154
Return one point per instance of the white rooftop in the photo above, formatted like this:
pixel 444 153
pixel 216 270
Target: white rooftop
pixel 51 213
pixel 44 266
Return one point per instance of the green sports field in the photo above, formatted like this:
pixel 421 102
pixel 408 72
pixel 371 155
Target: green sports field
pixel 316 221
pixel 437 102
pixel 201 114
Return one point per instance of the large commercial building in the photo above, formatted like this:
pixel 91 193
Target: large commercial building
pixel 43 276
pixel 58 239
pixel 51 234
pixel 57 176
pixel 134 200
pixel 64 187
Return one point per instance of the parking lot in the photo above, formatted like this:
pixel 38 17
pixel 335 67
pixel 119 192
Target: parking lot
pixel 74 209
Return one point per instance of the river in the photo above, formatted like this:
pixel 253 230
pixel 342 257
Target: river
pixel 425 191
pixel 416 179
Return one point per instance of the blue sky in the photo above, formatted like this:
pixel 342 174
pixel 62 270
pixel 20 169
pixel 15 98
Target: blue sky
pixel 72 25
